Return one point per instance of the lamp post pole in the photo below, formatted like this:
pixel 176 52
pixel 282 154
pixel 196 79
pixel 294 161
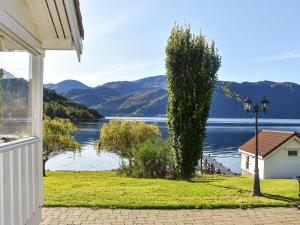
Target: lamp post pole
pixel 256 110
pixel 256 186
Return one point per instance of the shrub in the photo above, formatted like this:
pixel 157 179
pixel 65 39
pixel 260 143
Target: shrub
pixel 152 159
pixel 121 136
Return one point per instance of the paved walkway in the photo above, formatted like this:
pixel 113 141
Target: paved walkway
pixel 83 216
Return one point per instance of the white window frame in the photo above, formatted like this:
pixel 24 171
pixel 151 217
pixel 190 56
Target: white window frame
pixel 36 67
pixel 292 150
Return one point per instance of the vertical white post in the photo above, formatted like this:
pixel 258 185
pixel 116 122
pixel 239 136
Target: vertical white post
pixel 1 192
pixel 36 71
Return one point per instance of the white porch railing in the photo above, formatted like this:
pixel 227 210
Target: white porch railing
pixel 21 182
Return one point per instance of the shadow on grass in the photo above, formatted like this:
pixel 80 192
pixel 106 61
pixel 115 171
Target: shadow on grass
pixel 291 200
pixel 282 198
pixel 206 179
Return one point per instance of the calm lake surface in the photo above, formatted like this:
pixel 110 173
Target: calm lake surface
pixel 222 141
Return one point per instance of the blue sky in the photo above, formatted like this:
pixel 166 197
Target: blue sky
pixel 126 39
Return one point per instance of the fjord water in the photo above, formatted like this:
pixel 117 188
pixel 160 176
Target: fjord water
pixel 223 136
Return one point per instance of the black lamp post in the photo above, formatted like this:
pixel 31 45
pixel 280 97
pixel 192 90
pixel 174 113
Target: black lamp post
pixel 256 109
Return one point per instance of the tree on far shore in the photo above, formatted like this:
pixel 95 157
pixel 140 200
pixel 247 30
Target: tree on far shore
pixel 192 66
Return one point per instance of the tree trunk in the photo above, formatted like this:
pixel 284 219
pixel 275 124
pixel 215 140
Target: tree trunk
pixel 44 168
pixel 130 162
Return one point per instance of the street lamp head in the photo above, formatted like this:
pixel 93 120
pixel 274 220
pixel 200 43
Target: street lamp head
pixel 264 104
pixel 247 104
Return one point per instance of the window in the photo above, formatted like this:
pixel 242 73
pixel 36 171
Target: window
pixel 293 153
pixel 247 162
pixel 15 92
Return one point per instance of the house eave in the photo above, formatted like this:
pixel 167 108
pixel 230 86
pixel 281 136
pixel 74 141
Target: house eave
pixel 74 26
pixel 250 154
pixel 43 25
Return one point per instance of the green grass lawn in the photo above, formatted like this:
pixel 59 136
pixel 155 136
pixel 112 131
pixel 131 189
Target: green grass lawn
pixel 106 189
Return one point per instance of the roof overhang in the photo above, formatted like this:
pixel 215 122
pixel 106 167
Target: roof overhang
pixel 294 137
pixel 249 153
pixel 43 24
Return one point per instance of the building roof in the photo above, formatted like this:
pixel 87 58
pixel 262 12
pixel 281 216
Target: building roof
pixel 268 141
pixel 42 25
pixel 79 18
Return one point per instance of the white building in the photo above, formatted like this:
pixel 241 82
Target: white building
pixel 27 29
pixel 279 155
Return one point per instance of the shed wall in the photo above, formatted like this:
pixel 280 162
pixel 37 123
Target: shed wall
pixel 279 165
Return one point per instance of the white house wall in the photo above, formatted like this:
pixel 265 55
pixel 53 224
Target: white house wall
pixel 279 165
pixel 20 183
pixel 261 165
pixel 21 192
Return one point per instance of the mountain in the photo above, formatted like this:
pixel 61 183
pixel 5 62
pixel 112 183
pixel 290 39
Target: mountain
pixel 127 87
pixel 14 102
pixel 56 105
pixel 14 99
pixel 284 98
pixel 92 96
pixel 144 97
pixel 140 103
pixel 148 97
pixel 6 74
pixel 66 85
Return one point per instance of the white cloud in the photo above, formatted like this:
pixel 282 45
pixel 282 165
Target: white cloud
pixel 279 57
pixel 286 56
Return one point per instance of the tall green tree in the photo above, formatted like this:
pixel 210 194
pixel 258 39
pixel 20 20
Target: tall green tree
pixel 192 66
pixel 57 138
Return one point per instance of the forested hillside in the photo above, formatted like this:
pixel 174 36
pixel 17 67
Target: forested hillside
pixel 56 105
pixel 15 99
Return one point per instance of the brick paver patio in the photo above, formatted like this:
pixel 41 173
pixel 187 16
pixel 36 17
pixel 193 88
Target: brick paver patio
pixel 64 216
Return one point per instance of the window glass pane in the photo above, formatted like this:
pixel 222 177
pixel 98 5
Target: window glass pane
pixel 15 93
pixel 292 153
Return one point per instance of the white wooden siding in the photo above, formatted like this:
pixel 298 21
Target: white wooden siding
pixel 20 182
pixel 250 170
pixel 279 165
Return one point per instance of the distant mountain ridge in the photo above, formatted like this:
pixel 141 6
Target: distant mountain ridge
pixel 66 85
pixel 127 87
pixel 148 97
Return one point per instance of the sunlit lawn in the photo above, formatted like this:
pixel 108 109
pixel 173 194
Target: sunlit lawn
pixel 106 189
